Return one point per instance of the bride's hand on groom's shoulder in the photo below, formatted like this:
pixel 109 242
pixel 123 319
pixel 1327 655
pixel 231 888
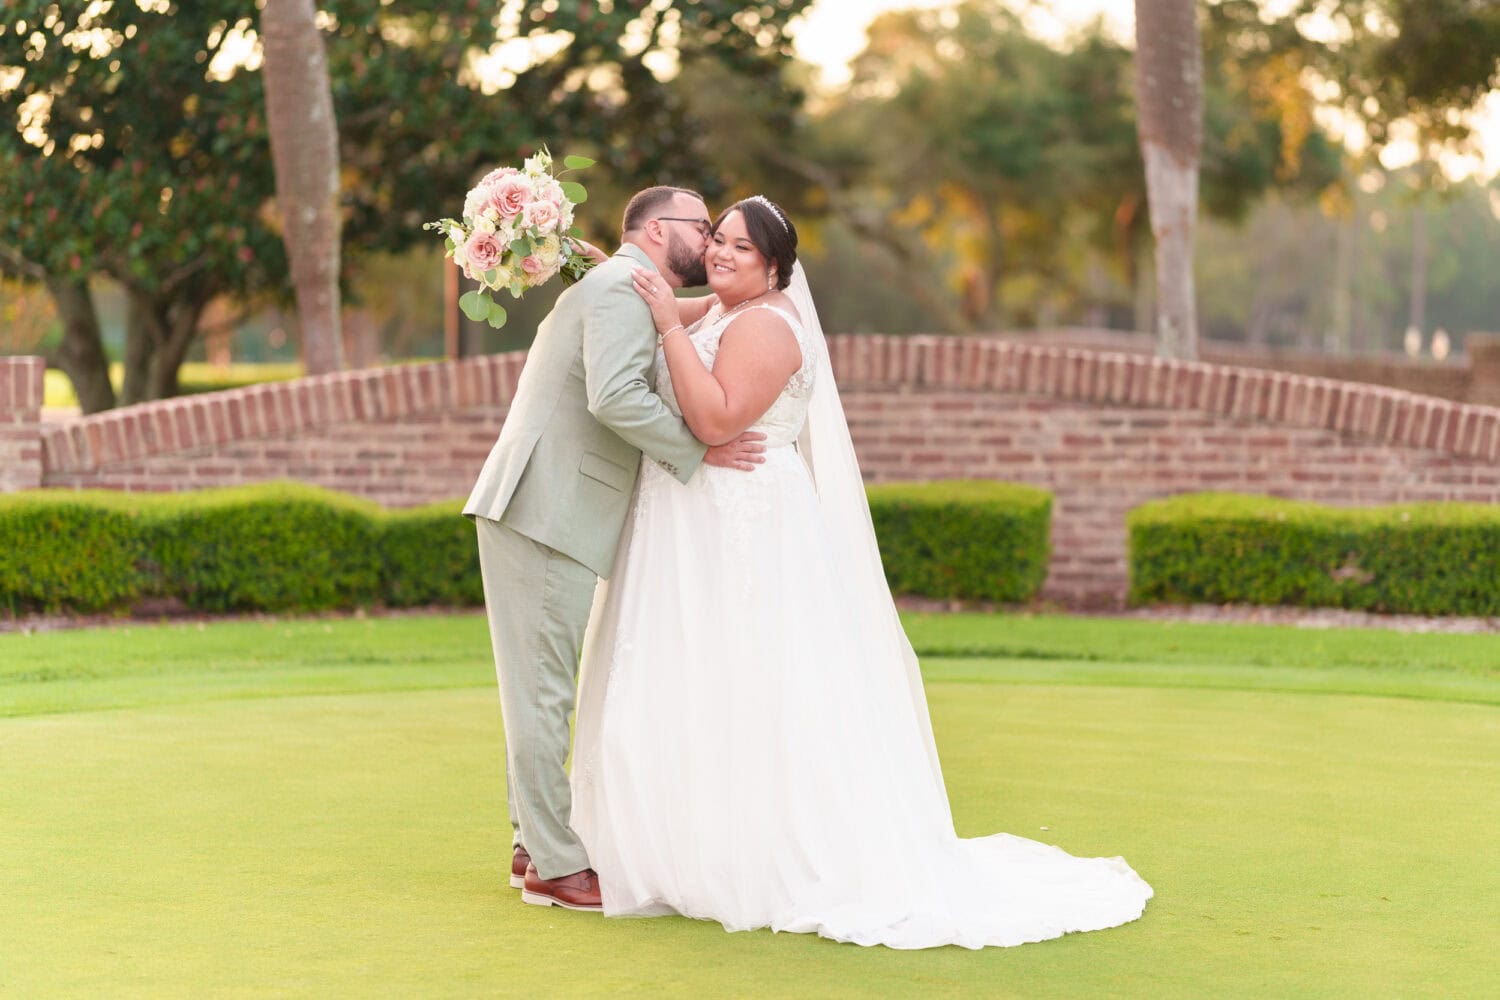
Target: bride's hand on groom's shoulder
pixel 657 294
pixel 744 452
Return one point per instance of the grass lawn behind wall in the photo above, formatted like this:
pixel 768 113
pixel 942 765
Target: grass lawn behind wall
pixel 316 808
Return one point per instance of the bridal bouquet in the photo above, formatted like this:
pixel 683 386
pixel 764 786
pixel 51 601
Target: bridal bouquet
pixel 516 233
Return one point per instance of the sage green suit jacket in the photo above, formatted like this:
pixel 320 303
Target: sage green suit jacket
pixel 566 461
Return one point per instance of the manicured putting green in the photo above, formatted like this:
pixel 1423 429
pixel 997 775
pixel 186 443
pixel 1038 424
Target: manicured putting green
pixel 316 809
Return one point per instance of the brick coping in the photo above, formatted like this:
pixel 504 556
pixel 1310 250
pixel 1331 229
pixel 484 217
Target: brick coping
pixel 863 361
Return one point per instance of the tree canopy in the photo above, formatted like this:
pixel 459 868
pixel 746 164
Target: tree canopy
pixel 133 141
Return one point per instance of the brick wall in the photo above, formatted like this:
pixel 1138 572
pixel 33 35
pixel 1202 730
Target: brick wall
pixel 1103 431
pixel 401 436
pixel 20 423
pixel 1470 377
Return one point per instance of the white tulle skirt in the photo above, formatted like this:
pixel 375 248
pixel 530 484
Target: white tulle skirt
pixel 745 753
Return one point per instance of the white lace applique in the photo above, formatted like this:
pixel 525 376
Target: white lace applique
pixel 782 422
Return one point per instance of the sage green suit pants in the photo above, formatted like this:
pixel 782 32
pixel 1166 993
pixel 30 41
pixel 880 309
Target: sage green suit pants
pixel 538 602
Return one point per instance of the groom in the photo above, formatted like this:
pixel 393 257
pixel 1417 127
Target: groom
pixel 550 504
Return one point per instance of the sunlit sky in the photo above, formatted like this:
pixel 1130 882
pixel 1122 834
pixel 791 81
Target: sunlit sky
pixel 832 32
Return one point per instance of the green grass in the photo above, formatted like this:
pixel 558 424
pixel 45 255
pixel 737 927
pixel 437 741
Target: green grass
pixel 194 376
pixel 316 808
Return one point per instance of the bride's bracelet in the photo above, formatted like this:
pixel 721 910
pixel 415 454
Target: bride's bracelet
pixel 661 338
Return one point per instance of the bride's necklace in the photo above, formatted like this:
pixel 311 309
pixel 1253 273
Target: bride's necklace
pixel 738 307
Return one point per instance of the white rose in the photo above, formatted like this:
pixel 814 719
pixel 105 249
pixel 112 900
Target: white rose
pixel 549 251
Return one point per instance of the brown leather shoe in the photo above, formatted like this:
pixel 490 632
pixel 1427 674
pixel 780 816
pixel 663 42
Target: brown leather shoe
pixel 518 862
pixel 578 891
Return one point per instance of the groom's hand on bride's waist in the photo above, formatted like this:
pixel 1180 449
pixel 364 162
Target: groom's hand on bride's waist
pixel 744 452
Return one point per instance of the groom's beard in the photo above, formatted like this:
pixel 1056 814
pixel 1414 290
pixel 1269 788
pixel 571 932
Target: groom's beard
pixel 688 266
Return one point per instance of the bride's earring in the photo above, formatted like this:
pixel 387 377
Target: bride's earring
pixel 771 281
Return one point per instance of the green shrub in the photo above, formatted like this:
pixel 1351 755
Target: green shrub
pixel 1432 558
pixel 285 547
pixel 267 547
pixel 429 555
pixel 67 549
pixel 965 539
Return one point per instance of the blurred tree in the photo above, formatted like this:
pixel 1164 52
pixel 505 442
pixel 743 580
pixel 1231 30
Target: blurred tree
pixel 999 178
pixel 1424 63
pixel 133 142
pixel 983 142
pixel 1169 101
pixel 305 152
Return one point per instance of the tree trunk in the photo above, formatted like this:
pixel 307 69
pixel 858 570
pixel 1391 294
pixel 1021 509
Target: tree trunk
pixel 1169 121
pixel 81 355
pixel 1341 323
pixel 142 334
pixel 1143 292
pixel 158 333
pixel 305 153
pixel 1418 311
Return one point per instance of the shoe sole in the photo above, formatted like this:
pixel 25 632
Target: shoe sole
pixel 517 881
pixel 537 899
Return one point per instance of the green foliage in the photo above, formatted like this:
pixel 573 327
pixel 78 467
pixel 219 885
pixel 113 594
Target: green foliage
pixel 67 550
pixel 1424 62
pixel 133 141
pixel 429 556
pixel 963 539
pixel 144 165
pixel 1017 161
pixel 1435 558
pixel 267 547
pixel 287 546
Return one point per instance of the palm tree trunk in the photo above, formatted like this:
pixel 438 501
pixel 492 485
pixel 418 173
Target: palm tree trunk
pixel 1417 312
pixel 1169 99
pixel 304 151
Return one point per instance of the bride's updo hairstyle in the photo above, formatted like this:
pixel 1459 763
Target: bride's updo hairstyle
pixel 771 231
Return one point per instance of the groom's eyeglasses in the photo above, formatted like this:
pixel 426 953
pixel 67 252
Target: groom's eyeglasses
pixel 705 228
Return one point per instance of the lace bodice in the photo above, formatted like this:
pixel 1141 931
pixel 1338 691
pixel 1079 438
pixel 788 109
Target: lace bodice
pixel 783 421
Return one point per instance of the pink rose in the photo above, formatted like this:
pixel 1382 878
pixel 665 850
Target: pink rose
pixel 510 195
pixel 483 252
pixel 495 176
pixel 531 265
pixel 542 215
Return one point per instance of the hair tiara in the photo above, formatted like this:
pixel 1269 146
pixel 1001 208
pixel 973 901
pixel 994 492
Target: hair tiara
pixel 763 200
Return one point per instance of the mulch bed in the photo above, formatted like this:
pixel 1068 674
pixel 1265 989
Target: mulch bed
pixel 170 611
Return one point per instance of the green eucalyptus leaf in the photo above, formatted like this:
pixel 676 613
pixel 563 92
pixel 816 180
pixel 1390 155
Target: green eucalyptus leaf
pixel 496 315
pixel 574 192
pixel 577 162
pixel 475 306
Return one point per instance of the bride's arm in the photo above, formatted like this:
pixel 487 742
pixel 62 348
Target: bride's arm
pixel 690 311
pixel 758 353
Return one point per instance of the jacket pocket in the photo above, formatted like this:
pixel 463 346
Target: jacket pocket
pixel 604 471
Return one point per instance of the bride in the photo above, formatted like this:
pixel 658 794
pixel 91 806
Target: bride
pixel 753 743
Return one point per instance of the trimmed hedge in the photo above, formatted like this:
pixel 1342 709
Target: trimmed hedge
pixel 965 539
pixel 1430 558
pixel 269 547
pixel 76 550
pixel 287 546
pixel 429 556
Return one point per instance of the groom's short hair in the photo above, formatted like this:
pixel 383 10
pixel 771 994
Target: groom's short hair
pixel 645 204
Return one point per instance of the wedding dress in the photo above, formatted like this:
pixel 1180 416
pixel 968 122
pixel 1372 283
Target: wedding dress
pixel 753 744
